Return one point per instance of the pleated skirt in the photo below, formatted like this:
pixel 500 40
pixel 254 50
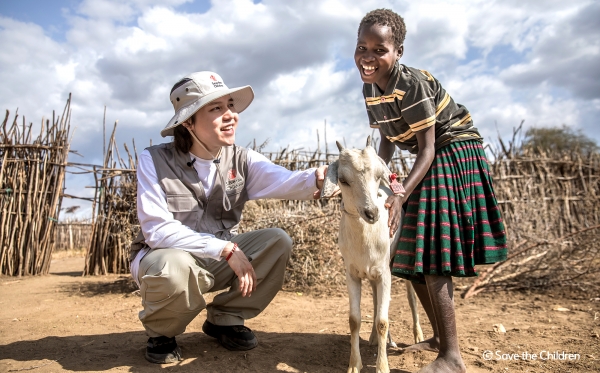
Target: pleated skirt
pixel 452 221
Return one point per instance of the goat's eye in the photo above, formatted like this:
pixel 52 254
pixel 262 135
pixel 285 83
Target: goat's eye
pixel 343 181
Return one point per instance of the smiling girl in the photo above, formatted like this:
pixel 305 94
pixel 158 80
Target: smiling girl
pixel 452 221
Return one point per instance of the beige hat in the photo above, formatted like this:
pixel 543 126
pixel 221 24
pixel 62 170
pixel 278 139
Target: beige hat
pixel 198 89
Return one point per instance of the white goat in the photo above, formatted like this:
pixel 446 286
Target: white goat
pixel 366 246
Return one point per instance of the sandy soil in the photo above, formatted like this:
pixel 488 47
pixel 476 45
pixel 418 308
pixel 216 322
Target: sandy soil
pixel 65 322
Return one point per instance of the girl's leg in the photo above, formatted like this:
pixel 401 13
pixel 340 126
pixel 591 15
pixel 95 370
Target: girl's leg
pixel 433 343
pixel 442 302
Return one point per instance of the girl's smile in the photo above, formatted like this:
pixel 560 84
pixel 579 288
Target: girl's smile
pixel 375 54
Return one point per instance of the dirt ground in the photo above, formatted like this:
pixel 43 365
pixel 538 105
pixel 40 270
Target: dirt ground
pixel 64 322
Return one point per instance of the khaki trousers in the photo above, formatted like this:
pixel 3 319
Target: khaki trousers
pixel 173 282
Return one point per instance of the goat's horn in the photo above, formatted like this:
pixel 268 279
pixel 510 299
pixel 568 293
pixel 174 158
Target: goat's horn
pixel 369 141
pixel 340 147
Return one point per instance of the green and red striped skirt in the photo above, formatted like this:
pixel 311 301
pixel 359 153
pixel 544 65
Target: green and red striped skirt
pixel 452 221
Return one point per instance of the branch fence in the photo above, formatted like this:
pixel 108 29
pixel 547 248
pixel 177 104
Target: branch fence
pixel 549 204
pixel 32 173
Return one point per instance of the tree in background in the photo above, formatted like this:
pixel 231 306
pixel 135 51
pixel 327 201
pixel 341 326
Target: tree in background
pixel 557 140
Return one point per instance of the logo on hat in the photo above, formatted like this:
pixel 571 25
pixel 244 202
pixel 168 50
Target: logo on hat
pixel 215 82
pixel 232 174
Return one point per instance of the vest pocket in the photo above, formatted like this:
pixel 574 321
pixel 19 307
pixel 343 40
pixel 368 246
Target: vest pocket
pixel 184 208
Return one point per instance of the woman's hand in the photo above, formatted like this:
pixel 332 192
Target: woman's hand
pixel 242 268
pixel 394 206
pixel 320 174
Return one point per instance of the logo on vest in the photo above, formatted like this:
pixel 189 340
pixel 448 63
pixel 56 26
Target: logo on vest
pixel 216 83
pixel 233 181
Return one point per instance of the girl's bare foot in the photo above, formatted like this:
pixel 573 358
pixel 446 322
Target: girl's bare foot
pixel 432 344
pixel 447 364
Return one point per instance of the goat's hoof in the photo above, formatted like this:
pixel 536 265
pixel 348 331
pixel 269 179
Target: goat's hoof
pixel 355 369
pixel 383 367
pixel 392 345
pixel 373 341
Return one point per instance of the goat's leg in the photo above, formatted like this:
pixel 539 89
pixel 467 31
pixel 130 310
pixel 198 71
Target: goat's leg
pixel 373 340
pixel 382 321
pixel 412 302
pixel 353 283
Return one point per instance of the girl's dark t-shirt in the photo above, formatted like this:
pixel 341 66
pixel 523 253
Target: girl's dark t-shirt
pixel 414 101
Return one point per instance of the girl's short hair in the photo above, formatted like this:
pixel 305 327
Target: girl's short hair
pixel 386 17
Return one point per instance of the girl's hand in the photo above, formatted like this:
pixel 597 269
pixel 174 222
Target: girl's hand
pixel 394 206
pixel 242 268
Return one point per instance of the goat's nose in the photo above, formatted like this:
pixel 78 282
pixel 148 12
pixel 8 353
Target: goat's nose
pixel 372 214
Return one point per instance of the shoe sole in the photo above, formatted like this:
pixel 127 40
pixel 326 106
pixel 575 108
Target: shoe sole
pixel 231 346
pixel 171 357
pixel 228 343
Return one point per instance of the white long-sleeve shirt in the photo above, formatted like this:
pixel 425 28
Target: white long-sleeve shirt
pixel 161 229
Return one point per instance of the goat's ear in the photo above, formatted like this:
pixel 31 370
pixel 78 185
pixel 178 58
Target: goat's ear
pixel 385 171
pixel 340 146
pixel 369 141
pixel 331 179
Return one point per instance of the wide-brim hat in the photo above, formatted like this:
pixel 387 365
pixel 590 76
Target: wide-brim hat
pixel 197 90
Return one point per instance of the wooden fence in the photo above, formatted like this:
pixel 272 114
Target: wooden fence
pixel 550 206
pixel 32 173
pixel 72 236
pixel 115 222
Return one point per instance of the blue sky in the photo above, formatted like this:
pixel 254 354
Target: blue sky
pixel 506 61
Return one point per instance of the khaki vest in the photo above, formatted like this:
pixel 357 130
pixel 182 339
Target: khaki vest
pixel 185 195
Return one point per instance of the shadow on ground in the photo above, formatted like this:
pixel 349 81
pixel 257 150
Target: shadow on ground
pixel 277 352
pixel 122 285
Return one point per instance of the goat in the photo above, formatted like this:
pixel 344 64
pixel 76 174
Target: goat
pixel 366 246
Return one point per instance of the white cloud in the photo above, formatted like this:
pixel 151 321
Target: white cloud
pixel 505 60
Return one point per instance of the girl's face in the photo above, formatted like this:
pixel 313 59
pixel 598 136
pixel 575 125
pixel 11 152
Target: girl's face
pixel 215 124
pixel 375 54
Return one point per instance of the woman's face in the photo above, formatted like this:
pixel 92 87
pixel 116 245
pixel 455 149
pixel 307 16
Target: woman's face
pixel 215 124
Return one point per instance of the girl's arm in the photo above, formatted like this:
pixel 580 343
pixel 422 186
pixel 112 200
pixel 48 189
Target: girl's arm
pixel 426 144
pixel 386 148
pixel 425 155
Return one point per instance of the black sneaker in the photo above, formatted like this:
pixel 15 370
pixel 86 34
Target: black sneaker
pixel 162 350
pixel 232 337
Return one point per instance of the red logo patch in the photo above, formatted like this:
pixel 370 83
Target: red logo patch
pixel 232 174
pixel 213 78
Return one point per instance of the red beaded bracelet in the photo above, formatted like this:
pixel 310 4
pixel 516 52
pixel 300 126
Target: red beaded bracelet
pixel 235 247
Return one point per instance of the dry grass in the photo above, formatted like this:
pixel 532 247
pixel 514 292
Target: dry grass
pixel 316 263
pixel 74 253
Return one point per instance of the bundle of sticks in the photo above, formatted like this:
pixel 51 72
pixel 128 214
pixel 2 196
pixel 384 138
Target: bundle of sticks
pixel 32 174
pixel 115 222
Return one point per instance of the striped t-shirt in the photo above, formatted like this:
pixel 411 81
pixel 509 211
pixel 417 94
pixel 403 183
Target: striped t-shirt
pixel 413 101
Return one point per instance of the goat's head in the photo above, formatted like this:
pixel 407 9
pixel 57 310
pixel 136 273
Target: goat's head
pixel 358 174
